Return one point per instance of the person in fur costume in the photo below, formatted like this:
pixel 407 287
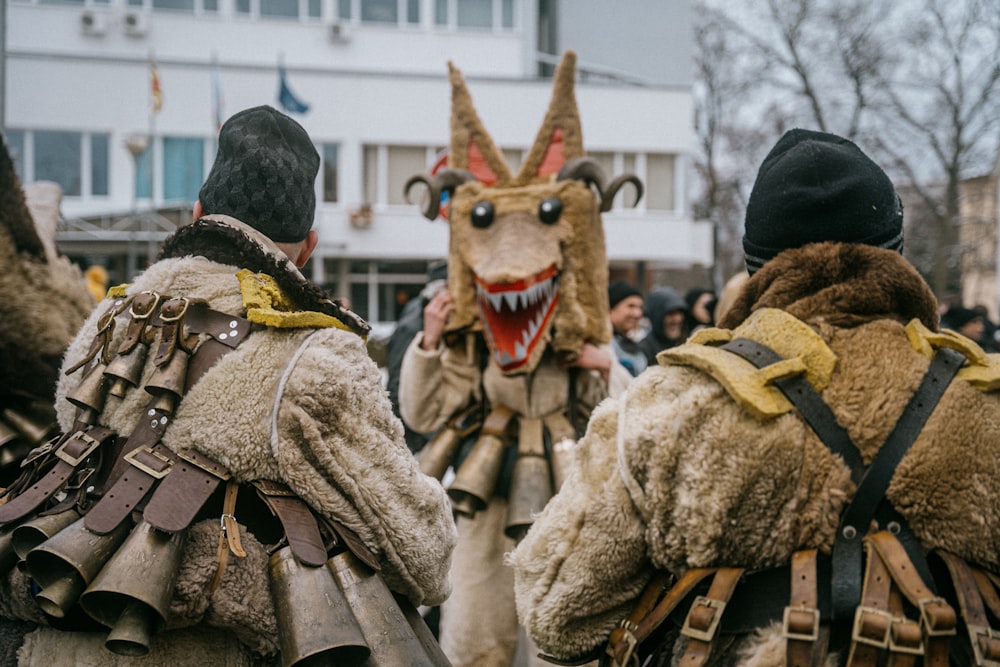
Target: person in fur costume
pixel 705 467
pixel 279 416
pixel 519 341
pixel 45 302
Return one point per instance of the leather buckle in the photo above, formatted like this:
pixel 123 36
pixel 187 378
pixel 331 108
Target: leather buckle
pixel 628 657
pixel 706 635
pixel 803 636
pixel 152 472
pixel 976 633
pixel 927 620
pixel 74 461
pixel 185 302
pixel 80 479
pixel 897 647
pixel 859 621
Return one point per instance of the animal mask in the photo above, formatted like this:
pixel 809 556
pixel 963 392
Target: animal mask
pixel 527 264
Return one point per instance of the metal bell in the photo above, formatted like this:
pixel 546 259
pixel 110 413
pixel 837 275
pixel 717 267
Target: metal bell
pixel 125 370
pixel 168 380
pixel 562 435
pixel 65 563
pixel 316 625
pixel 436 456
pixel 31 533
pixel 531 484
pixel 91 393
pixel 34 431
pixel 477 477
pixel 131 594
pixel 386 627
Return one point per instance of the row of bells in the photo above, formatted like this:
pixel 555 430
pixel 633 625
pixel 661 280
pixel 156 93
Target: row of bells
pixel 535 478
pixel 339 613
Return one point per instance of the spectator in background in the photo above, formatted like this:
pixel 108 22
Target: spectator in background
pixel 667 312
pixel 968 322
pixel 625 313
pixel 410 323
pixel 700 302
pixel 989 338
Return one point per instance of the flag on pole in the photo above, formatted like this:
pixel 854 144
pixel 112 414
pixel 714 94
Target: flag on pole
pixel 286 98
pixel 156 93
pixel 217 101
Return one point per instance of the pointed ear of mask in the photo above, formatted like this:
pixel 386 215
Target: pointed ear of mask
pixel 560 137
pixel 472 146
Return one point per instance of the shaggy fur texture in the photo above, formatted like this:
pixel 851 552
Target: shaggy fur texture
pixel 517 245
pixel 675 474
pixel 45 296
pixel 301 406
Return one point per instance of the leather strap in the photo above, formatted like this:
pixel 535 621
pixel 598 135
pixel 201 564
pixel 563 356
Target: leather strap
pixel 183 492
pixel 148 465
pixel 814 410
pixel 870 633
pixel 297 519
pixel 847 549
pixel 970 586
pixel 229 535
pixel 623 641
pixel 639 626
pixel 937 617
pixel 69 454
pixel 702 623
pixel 802 616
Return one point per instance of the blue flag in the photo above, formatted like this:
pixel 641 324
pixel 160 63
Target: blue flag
pixel 287 98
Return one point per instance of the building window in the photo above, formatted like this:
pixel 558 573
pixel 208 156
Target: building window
pixel 659 182
pixel 387 168
pixel 279 8
pixel 144 174
pixel 99 164
pixel 330 152
pixel 379 11
pixel 475 14
pixel 58 158
pixel 15 146
pixel 183 168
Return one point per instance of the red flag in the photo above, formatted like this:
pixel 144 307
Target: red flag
pixel 157 94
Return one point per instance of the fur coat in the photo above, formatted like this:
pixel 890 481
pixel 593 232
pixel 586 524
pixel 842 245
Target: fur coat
pixel 678 474
pixel 302 406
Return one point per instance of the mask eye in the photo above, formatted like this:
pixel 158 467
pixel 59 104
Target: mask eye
pixel 549 210
pixel 482 214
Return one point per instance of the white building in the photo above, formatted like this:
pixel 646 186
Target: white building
pixel 77 96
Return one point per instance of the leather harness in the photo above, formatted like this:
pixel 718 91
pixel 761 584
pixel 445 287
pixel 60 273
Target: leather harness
pixel 864 607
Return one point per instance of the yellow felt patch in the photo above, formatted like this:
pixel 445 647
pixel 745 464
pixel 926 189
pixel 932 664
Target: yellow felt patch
pixel 266 304
pixel 981 370
pixel 117 291
pixel 803 350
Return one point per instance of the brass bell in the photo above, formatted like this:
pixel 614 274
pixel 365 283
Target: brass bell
pixel 386 627
pixel 131 594
pixel 316 625
pixel 477 477
pixel 64 564
pixel 437 455
pixel 125 370
pixel 30 534
pixel 531 483
pixel 562 435
pixel 8 557
pixel 34 431
pixel 167 381
pixel 91 393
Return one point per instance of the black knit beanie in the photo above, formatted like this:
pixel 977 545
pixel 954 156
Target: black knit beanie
pixel 815 187
pixel 264 174
pixel 619 290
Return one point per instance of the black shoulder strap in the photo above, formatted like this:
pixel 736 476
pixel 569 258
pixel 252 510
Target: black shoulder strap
pixel 848 556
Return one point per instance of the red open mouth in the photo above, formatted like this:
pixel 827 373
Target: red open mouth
pixel 516 315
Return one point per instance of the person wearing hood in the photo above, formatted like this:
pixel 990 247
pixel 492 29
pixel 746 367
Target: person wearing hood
pixel 789 475
pixel 667 312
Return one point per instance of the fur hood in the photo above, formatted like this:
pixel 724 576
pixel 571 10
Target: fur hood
pixel 676 474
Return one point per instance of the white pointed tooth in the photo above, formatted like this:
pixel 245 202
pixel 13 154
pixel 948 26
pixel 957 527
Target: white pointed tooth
pixel 519 351
pixel 523 299
pixel 496 301
pixel 511 299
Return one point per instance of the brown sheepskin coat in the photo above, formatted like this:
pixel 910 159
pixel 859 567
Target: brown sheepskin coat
pixel 302 406
pixel 676 474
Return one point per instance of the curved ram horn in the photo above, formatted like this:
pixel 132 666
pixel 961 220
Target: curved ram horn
pixel 444 181
pixel 615 185
pixel 584 169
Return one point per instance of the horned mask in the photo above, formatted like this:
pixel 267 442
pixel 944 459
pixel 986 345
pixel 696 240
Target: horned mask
pixel 527 263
